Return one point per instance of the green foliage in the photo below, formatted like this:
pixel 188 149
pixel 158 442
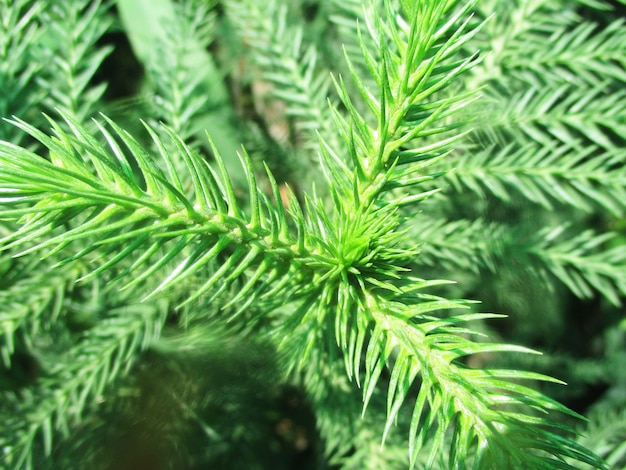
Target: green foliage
pixel 70 46
pixel 19 35
pixel 143 267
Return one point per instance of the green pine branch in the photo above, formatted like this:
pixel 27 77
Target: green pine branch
pixel 184 84
pixel 351 18
pixel 577 53
pixel 126 212
pixel 586 263
pixel 606 434
pixel 30 301
pixel 326 281
pixel 19 35
pixel 563 112
pixel 289 65
pixel 177 65
pixel 463 243
pixel 584 177
pixel 70 46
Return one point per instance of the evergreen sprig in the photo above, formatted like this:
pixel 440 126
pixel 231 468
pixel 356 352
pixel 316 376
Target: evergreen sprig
pixel 561 112
pixel 584 177
pixel 19 35
pixel 577 53
pixel 178 65
pixel 578 263
pixel 293 70
pixel 29 302
pixel 70 45
pixel 154 230
pixel 126 212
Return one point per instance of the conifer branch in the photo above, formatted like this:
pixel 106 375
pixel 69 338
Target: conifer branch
pixel 585 262
pixel 172 41
pixel 578 53
pixel 606 434
pixel 19 33
pixel 403 82
pixel 291 66
pixel 73 30
pixel 352 20
pixel 563 113
pixel 327 281
pixel 584 177
pixel 458 243
pixel 27 302
pixel 125 212
pixel 178 66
